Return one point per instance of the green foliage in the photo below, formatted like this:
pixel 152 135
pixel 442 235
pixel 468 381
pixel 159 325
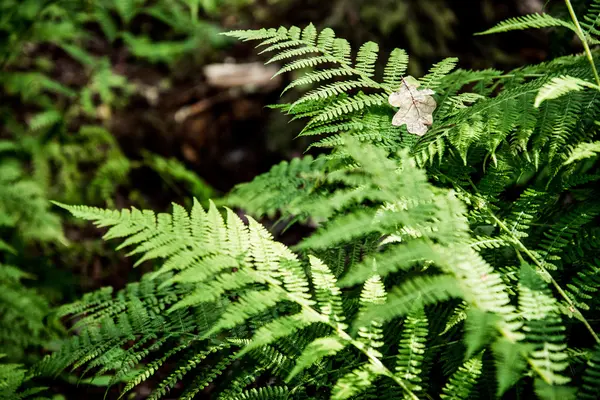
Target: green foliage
pixel 55 144
pixel 13 378
pixel 24 208
pixel 560 86
pixel 475 244
pixel 22 313
pixel 536 21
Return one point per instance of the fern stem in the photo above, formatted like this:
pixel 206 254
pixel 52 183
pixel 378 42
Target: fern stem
pixel 583 39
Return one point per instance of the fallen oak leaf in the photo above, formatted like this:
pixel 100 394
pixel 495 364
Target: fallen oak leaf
pixel 415 107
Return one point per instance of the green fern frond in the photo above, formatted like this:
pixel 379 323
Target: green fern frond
pixel 511 363
pixel 536 21
pixel 286 184
pixel 279 328
pixel 14 378
pixel 421 290
pixel 395 258
pixel 248 305
pixel 353 383
pixel 330 90
pixel 591 377
pixel 366 58
pixel 458 315
pixel 45 120
pixel 591 20
pixel 185 367
pixel 411 349
pixel 314 352
pixel 23 310
pixel 207 377
pixel 327 294
pixel 583 151
pixel 314 77
pixel 433 78
pixel 462 383
pixel 562 232
pixel 395 68
pixel 583 286
pixel 23 206
pixel 264 393
pixel 373 293
pixel 560 86
pixel 543 328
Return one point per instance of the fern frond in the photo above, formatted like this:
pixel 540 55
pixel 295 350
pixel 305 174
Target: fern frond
pixel 433 78
pixel 591 20
pixel 13 383
pixel 23 206
pixel 314 77
pixel 583 286
pixel 591 377
pixel 279 328
pixel 411 349
pixel 45 120
pixel 395 68
pixel 353 383
pixel 331 90
pixel 366 58
pixel 264 393
pixel 560 86
pixel 543 328
pixel 314 352
pixel 536 21
pixel 563 231
pixel 421 290
pixel 185 367
pixel 583 151
pixel 327 294
pixel 462 383
pixel 373 293
pixel 458 315
pixel 286 184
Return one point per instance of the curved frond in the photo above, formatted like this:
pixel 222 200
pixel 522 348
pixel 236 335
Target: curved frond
pixel 529 21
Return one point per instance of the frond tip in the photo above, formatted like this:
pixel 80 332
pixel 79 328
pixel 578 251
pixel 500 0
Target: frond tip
pixel 559 86
pixel 537 21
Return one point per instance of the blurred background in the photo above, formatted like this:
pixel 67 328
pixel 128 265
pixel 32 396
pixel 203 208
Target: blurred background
pixel 118 103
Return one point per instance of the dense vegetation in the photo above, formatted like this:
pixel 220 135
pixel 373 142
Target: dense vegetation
pixel 453 236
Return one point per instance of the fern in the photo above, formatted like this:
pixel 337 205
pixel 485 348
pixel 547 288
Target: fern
pixel 560 86
pixel 343 97
pixel 13 378
pixel 409 362
pixel 474 245
pixel 22 313
pixel 529 21
pixel 462 382
pixel 542 328
pixel 24 207
pixel 590 379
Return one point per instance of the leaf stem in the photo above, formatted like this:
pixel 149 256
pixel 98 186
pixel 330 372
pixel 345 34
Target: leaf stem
pixel 583 39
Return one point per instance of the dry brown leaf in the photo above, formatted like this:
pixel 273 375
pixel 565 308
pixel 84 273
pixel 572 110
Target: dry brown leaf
pixel 416 107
